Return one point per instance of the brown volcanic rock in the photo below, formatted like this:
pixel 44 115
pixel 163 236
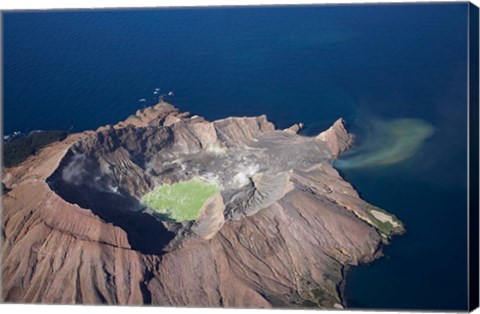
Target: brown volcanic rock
pixel 210 219
pixel 280 233
pixel 336 137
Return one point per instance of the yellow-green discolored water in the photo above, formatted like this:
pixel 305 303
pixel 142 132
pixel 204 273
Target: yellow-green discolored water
pixel 180 201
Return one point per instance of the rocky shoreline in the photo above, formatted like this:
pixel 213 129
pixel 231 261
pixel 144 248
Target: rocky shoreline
pixel 281 233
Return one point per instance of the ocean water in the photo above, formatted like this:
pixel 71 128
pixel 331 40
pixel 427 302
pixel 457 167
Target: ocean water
pixel 310 64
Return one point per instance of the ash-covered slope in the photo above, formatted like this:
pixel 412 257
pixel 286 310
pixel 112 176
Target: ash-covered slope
pixel 280 232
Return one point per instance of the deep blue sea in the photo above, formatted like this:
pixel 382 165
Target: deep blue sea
pixel 311 64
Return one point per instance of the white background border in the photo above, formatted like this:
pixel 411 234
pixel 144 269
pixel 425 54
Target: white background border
pixel 70 4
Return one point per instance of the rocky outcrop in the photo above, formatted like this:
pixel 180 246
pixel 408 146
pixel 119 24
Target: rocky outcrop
pixel 266 190
pixel 210 219
pixel 280 233
pixel 295 128
pixel 337 138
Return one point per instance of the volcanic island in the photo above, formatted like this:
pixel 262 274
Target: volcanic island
pixel 169 209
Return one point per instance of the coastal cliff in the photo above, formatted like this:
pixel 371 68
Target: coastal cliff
pixel 280 233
